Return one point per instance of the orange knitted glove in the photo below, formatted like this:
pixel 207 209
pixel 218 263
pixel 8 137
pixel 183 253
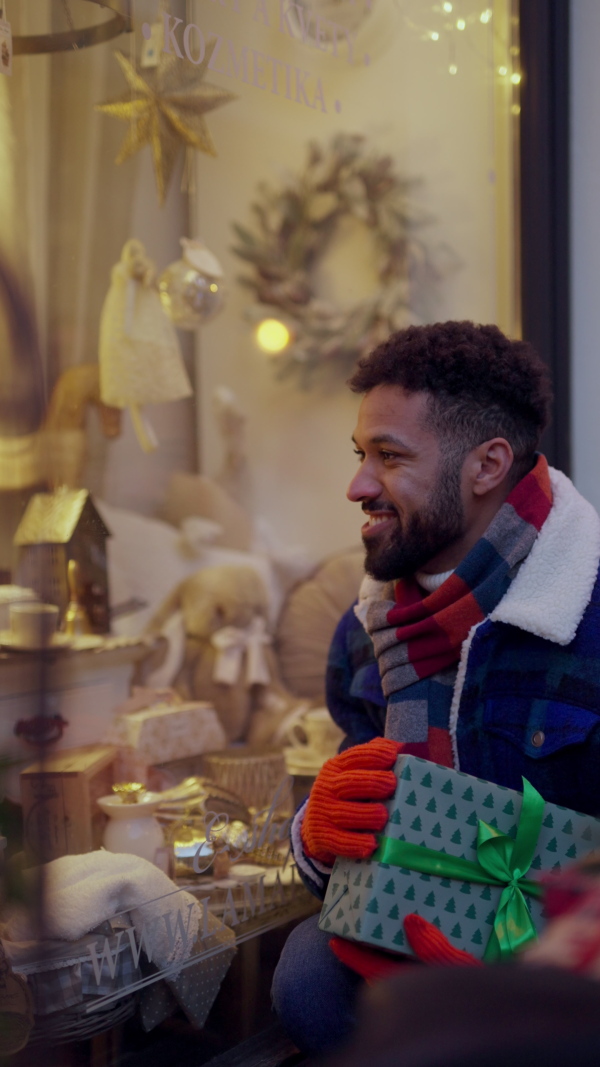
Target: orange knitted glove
pixel 337 814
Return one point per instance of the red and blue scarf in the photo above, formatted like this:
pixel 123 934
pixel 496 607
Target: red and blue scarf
pixel 418 637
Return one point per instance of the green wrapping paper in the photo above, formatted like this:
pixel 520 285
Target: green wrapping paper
pixel 464 854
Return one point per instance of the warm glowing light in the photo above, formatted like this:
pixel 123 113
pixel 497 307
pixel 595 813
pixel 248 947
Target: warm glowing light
pixel 515 109
pixel 447 7
pixel 453 69
pixel 485 16
pixel 460 24
pixel 272 335
pixel 503 71
pixel 515 78
pixel 214 288
pixel 435 36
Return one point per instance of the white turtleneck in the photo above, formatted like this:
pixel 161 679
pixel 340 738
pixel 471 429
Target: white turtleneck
pixel 431 582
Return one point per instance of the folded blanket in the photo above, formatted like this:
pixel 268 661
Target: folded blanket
pixel 80 892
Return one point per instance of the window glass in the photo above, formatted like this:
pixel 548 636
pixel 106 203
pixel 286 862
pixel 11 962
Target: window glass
pixel 209 210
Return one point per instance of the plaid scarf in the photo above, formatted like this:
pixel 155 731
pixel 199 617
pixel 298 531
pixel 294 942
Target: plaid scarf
pixel 418 638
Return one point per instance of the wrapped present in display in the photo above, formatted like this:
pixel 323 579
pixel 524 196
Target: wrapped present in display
pixel 165 732
pixel 463 853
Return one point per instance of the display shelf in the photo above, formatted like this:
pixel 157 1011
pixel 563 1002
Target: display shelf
pixel 295 903
pixel 80 685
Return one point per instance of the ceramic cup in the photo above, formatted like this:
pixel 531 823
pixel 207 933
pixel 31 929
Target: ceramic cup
pixel 316 732
pixel 32 625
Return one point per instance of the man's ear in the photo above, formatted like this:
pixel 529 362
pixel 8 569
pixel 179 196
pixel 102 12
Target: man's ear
pixel 488 465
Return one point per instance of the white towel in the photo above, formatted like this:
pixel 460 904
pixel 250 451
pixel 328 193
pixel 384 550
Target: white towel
pixel 83 891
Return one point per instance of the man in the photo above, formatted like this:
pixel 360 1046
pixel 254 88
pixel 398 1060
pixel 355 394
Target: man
pixel 475 642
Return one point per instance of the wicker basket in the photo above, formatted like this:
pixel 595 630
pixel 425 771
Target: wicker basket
pixel 76 1024
pixel 253 775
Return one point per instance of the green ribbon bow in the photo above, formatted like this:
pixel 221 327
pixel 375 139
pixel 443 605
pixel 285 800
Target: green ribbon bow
pixel 500 861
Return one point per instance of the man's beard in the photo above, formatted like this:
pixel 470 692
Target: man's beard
pixel 407 548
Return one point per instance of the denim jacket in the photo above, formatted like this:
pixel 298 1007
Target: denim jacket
pixel 527 694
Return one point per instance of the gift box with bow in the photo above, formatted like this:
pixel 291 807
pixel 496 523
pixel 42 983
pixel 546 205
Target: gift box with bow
pixel 462 852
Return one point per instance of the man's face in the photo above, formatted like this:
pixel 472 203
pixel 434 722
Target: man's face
pixel 410 494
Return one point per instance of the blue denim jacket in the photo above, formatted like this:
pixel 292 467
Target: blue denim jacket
pixel 529 707
pixel 527 694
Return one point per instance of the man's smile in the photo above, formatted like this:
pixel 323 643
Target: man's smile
pixel 376 520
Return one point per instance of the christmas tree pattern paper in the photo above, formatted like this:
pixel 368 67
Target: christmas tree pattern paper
pixel 440 809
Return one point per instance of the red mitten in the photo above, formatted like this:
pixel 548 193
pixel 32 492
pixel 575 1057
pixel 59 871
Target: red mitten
pixel 370 963
pixel 338 821
pixel 432 946
pixel 428 943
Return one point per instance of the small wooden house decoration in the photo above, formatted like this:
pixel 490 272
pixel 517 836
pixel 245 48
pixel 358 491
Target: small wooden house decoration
pixel 58 527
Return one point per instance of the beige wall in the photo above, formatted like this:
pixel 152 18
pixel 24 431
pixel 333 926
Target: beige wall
pixel 438 128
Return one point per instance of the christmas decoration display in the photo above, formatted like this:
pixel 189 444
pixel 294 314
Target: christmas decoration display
pixel 462 853
pixel 165 107
pixel 140 360
pixel 294 225
pixel 61 553
pixel 191 289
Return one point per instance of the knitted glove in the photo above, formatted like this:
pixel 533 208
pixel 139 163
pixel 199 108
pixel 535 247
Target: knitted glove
pixel 428 943
pixel 432 946
pixel 337 820
pixel 372 964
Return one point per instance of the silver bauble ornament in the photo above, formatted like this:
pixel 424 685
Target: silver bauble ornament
pixel 191 289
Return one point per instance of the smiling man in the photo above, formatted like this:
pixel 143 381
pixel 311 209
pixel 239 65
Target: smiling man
pixel 411 487
pixel 476 639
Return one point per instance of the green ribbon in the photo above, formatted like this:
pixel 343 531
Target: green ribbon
pixel 500 861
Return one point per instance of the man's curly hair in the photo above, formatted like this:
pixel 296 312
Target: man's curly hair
pixel 481 385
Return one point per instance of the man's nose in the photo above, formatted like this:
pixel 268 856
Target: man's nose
pixel 364 486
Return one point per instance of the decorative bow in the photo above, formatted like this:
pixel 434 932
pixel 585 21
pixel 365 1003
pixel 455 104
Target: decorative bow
pixel 231 643
pixel 500 861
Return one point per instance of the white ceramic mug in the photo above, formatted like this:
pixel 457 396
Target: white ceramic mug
pixel 317 732
pixel 32 625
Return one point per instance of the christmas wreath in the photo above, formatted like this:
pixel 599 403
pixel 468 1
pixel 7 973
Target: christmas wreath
pixel 293 226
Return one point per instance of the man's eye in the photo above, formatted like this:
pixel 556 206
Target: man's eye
pixel 357 452
pixel 387 455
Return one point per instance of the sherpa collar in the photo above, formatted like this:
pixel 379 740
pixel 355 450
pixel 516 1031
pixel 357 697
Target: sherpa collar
pixel 554 584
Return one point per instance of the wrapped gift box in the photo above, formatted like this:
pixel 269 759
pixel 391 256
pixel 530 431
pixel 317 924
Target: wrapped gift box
pixel 440 810
pixel 169 731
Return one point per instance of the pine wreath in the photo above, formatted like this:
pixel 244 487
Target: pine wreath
pixel 293 226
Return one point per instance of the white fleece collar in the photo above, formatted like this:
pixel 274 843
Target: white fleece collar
pixel 554 584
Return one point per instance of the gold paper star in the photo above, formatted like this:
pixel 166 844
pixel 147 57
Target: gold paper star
pixel 165 108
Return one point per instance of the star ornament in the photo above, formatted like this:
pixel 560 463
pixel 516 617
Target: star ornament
pixel 165 108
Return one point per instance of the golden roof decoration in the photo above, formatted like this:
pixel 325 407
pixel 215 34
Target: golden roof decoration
pixel 52 518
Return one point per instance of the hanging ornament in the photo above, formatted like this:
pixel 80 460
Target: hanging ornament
pixel 307 334
pixel 96 32
pixel 140 360
pixel 165 108
pixel 191 289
